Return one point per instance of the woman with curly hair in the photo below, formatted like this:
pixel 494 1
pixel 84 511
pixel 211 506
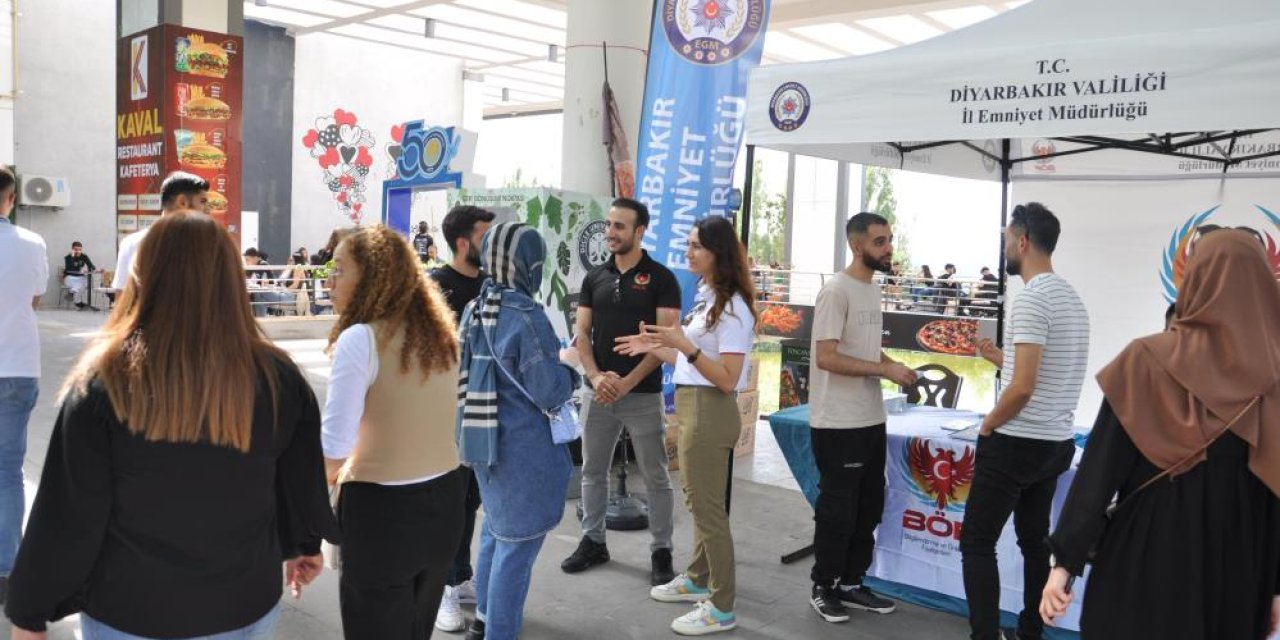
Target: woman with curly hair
pixel 388 436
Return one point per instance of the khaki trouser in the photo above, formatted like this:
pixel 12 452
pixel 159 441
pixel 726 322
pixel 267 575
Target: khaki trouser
pixel 709 429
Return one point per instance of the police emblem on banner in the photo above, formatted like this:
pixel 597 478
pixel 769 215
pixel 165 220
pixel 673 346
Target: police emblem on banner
pixel 789 106
pixel 711 32
pixel 593 248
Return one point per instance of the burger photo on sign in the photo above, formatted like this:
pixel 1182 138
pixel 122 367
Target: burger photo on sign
pixel 206 58
pixel 217 203
pixel 202 155
pixel 202 107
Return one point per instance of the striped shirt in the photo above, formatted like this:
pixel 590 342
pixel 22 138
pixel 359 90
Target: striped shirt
pixel 1049 313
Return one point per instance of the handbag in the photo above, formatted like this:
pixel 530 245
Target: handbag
pixel 565 426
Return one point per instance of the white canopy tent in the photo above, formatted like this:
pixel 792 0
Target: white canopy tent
pixel 1184 78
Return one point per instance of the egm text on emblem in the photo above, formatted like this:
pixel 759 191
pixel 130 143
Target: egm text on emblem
pixel 711 32
pixel 789 106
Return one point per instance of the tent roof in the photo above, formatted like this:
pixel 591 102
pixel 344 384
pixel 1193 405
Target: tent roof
pixel 1184 66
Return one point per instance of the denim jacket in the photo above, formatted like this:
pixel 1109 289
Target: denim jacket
pixel 524 492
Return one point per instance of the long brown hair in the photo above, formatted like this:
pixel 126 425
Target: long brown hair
pixel 394 291
pixel 181 356
pixel 732 271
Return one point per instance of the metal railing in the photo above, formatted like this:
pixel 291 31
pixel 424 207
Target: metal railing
pixel 942 296
pixel 289 289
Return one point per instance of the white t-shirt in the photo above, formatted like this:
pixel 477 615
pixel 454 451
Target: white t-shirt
pixel 734 333
pixel 24 274
pixel 355 367
pixel 847 310
pixel 124 262
pixel 1048 312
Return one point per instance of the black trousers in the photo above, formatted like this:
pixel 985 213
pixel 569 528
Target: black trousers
pixel 850 501
pixel 462 570
pixel 1012 476
pixel 398 545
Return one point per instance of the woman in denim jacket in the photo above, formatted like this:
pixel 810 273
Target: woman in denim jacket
pixel 505 438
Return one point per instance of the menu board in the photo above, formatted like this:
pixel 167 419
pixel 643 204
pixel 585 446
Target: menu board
pixel 179 106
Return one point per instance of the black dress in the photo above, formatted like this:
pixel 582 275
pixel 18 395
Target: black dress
pixel 1192 558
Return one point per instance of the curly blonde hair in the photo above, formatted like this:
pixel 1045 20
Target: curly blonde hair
pixel 394 292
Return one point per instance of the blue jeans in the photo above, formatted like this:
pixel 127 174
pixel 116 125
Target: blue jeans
pixel 503 571
pixel 263 629
pixel 17 399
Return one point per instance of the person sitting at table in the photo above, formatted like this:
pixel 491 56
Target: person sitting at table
pixel 260 283
pixel 848 422
pixel 1194 554
pixel 1027 440
pixel 77 266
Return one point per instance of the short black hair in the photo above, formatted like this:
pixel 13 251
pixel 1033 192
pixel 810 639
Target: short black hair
pixel 1038 223
pixel 859 223
pixel 461 221
pixel 76 244
pixel 252 253
pixel 7 179
pixel 181 183
pixel 985 269
pixel 949 266
pixel 642 212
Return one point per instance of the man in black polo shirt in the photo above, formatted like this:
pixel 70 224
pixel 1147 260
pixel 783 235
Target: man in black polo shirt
pixel 460 282
pixel 625 392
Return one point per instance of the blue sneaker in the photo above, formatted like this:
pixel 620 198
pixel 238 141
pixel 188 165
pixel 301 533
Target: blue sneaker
pixel 704 619
pixel 681 589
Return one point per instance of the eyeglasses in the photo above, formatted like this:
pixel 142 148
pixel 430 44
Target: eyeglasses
pixel 617 289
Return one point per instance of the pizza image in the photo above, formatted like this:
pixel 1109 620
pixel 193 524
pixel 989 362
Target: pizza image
pixel 953 337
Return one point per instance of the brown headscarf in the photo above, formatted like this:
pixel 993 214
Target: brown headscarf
pixel 1174 391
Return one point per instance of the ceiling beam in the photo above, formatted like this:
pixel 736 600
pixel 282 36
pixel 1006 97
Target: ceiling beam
pixel 375 13
pixel 532 108
pixel 820 11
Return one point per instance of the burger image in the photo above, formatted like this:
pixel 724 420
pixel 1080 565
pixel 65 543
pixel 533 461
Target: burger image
pixel 207 59
pixel 217 204
pixel 202 156
pixel 205 108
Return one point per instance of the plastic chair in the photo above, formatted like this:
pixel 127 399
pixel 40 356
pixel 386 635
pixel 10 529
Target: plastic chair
pixel 937 386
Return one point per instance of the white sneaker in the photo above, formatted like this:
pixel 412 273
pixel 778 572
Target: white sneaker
pixel 450 618
pixel 704 619
pixel 681 589
pixel 467 592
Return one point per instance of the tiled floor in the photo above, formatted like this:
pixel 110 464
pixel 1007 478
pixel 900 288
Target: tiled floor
pixel 770 517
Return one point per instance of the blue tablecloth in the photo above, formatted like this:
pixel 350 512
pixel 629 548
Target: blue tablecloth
pixel 917 544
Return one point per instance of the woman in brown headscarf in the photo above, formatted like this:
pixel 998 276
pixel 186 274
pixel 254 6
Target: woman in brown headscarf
pixel 1196 554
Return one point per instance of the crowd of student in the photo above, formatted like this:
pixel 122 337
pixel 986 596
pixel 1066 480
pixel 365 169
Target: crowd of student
pixel 191 464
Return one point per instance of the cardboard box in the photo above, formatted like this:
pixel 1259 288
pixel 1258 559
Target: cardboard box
pixel 753 373
pixel 748 414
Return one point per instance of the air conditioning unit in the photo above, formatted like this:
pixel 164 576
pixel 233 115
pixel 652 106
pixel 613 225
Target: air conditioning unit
pixel 44 191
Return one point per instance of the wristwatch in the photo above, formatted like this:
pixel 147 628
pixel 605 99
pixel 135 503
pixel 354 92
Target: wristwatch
pixel 694 356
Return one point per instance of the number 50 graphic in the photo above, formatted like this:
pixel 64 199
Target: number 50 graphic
pixel 427 151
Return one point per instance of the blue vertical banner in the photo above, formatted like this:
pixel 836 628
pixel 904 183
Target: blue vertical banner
pixel 694 119
pixel 695 111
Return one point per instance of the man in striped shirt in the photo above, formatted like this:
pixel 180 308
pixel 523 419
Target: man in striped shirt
pixel 1026 440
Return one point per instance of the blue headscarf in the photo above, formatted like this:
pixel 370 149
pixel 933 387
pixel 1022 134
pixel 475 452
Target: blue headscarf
pixel 513 255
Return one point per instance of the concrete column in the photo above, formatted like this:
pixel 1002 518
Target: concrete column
pixel 625 27
pixel 222 16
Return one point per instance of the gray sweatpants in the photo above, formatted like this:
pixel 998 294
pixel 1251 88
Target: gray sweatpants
pixel 641 414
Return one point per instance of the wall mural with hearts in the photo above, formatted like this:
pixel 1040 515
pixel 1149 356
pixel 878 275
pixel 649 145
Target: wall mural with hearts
pixel 342 149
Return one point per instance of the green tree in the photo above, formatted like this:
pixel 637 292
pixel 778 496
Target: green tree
pixel 877 197
pixel 768 220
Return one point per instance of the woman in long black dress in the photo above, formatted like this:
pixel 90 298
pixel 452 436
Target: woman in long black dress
pixel 1195 555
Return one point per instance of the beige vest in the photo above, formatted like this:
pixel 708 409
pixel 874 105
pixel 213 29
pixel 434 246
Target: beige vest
pixel 407 430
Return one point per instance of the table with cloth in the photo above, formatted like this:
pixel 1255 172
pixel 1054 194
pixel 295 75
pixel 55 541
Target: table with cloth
pixel 917 557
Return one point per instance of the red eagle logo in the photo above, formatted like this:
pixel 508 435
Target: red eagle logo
pixel 642 279
pixel 939 474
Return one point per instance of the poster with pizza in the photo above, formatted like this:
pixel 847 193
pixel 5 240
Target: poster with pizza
pixel 936 334
pixel 204 82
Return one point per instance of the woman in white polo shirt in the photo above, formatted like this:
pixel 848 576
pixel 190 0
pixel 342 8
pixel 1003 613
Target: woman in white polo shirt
pixel 709 353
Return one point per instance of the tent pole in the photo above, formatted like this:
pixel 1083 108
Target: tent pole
pixel 747 186
pixel 1005 165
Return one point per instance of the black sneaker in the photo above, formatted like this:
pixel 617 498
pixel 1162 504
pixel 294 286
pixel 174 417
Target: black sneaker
pixel 827 603
pixel 862 598
pixel 660 571
pixel 475 631
pixel 589 554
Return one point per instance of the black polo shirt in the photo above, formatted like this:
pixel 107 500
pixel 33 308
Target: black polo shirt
pixel 619 302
